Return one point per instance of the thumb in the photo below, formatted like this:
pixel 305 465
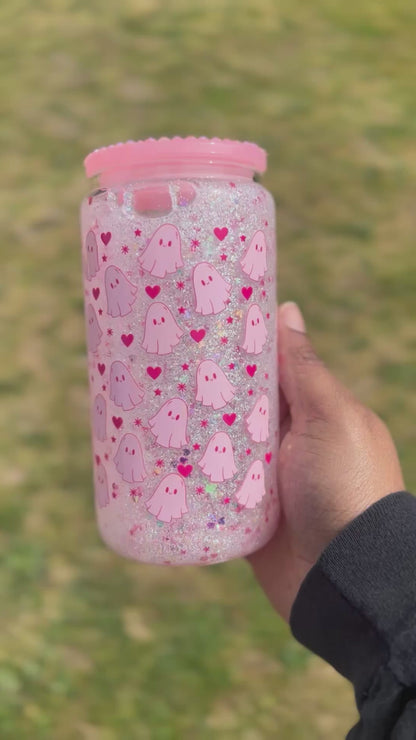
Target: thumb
pixel 307 384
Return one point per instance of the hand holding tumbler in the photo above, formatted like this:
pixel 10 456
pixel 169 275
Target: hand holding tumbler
pixel 179 264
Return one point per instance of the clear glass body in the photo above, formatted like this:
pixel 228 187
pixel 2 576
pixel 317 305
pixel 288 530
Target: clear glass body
pixel 180 300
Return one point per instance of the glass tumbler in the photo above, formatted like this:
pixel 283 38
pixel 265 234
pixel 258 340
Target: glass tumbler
pixel 179 265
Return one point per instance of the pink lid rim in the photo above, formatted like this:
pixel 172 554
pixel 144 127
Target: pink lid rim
pixel 177 149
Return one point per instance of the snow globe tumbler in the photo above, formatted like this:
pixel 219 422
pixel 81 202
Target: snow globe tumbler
pixel 179 264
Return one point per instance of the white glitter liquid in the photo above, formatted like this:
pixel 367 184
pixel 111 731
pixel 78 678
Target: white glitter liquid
pixel 195 479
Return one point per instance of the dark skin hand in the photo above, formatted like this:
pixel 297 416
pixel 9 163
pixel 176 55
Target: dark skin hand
pixel 336 458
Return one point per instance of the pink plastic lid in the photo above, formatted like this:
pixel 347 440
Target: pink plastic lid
pixel 150 152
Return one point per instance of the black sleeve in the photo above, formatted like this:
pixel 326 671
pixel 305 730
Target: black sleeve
pixel 356 608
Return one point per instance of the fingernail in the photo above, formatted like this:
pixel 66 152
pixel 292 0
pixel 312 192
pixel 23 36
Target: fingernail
pixel 292 317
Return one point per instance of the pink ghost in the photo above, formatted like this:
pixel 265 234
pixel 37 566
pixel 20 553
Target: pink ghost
pixel 210 288
pixel 252 488
pixel 124 390
pixel 99 418
pixel 258 420
pixel 255 331
pixel 212 386
pixel 163 253
pixel 217 461
pixel 169 499
pixel 102 497
pixel 161 332
pixel 121 293
pixel 254 261
pixel 92 255
pixel 129 460
pixel 94 332
pixel 169 424
pixel 91 247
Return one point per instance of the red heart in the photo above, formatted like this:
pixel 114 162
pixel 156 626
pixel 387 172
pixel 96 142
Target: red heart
pixel 117 421
pixel 251 369
pixel 268 457
pixel 198 334
pixel 221 233
pixel 96 292
pixel 154 372
pixel 229 419
pixel 101 368
pixel 152 290
pixel 247 291
pixel 105 237
pixel 185 470
pixel 127 339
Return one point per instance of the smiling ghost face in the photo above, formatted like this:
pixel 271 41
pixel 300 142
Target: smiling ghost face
pixel 258 420
pixel 121 293
pixel 129 460
pixel 163 253
pixel 169 499
pixel 254 261
pixel 210 288
pixel 252 489
pixel 94 332
pixel 92 264
pixel 212 387
pixel 218 459
pixel 161 332
pixel 170 422
pixel 99 421
pixel 124 391
pixel 255 331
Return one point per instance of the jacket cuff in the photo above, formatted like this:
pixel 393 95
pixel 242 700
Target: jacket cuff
pixel 356 606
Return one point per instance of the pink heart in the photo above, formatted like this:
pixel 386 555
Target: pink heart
pixel 101 368
pixel 105 237
pixel 152 290
pixel 221 233
pixel 229 419
pixel 117 421
pixel 247 291
pixel 154 372
pixel 127 339
pixel 185 470
pixel 251 369
pixel 198 334
pixel 268 457
pixel 96 292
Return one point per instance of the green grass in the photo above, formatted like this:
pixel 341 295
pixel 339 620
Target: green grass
pixel 93 647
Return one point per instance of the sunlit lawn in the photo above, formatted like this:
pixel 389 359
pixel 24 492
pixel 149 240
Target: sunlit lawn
pixel 92 646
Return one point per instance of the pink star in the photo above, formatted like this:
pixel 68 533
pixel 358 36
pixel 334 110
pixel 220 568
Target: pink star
pixel 226 500
pixel 137 422
pixel 248 451
pixel 250 392
pixel 180 285
pixel 138 232
pixel 200 489
pixel 113 439
pixel 104 258
pixel 195 243
pixel 231 366
pixel 232 184
pixel 267 316
pixel 106 456
pixel 185 366
pixel 204 423
pixel 224 257
pixel 263 293
pixel 196 446
pixel 224 340
pixel 158 392
pixel 206 549
pixel 266 375
pixel 160 463
pixel 100 311
pixel 125 249
pixel 230 319
pixel 181 309
pixel 243 238
pixel 266 223
pixel 110 332
pixel 181 387
pixel 103 387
